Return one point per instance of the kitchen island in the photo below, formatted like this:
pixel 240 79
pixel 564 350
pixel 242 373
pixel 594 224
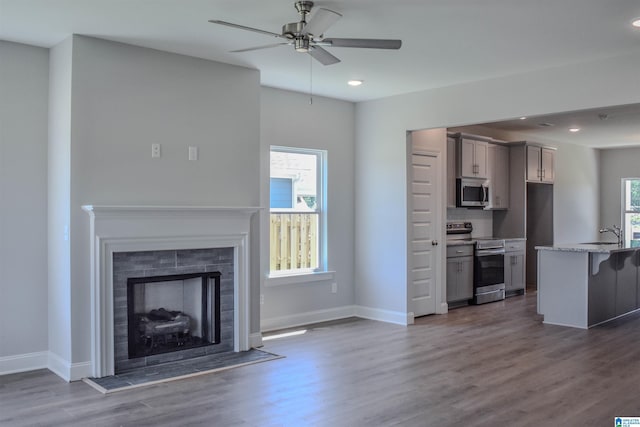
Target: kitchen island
pixel 584 285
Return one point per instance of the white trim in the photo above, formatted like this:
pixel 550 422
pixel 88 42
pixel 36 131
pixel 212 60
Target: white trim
pixel 307 318
pixel 119 211
pixel 59 366
pixel 23 362
pixel 296 278
pixel 80 370
pixel 397 317
pixel 255 339
pixel 301 319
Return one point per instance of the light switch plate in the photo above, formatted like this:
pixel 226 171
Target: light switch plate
pixel 193 153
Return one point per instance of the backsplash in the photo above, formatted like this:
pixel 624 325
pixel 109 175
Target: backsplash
pixel 482 220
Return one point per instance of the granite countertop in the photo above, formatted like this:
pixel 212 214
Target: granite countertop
pixel 587 247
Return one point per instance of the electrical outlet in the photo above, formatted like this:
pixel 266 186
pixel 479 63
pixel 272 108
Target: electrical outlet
pixel 261 299
pixel 334 287
pixel 155 151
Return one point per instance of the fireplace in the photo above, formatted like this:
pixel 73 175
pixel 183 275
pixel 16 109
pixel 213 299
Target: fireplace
pixel 172 305
pixel 191 319
pixel 140 242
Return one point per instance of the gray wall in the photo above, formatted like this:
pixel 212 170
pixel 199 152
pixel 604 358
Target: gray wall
pixel 287 119
pixel 381 127
pixel 576 194
pixel 125 98
pixel 23 199
pixel 615 164
pixel 59 197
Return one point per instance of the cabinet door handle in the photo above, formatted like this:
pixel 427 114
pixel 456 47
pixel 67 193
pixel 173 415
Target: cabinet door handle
pixel 544 173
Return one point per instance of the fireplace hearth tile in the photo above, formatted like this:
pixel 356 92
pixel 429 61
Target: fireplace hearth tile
pixel 179 370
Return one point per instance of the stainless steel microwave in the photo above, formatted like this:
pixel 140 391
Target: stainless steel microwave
pixel 472 193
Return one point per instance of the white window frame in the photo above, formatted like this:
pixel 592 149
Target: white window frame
pixel 320 273
pixel 627 231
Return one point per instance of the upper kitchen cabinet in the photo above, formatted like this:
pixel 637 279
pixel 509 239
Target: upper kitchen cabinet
pixel 498 162
pixel 473 158
pixel 540 164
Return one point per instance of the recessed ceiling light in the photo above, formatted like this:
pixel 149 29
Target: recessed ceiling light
pixel 574 129
pixel 636 22
pixel 523 118
pixel 354 82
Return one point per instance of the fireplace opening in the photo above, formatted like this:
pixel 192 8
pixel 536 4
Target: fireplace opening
pixel 172 313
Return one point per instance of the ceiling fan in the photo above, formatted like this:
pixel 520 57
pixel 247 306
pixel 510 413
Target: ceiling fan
pixel 308 37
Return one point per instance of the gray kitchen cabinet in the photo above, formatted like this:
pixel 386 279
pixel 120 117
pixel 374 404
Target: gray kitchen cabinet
pixel 473 158
pixel 514 267
pixel 540 164
pixel 459 273
pixel 498 163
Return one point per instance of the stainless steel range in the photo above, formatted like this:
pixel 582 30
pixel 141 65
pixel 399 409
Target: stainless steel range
pixel 488 271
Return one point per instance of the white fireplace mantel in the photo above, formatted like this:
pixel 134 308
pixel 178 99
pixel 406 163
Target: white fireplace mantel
pixel 143 228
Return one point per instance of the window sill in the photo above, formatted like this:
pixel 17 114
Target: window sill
pixel 295 278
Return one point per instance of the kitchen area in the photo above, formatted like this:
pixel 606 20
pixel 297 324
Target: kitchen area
pixel 499 208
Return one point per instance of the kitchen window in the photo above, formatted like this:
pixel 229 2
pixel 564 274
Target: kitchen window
pixel 297 192
pixel 631 210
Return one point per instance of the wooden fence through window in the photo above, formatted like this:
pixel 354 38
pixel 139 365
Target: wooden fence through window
pixel 294 241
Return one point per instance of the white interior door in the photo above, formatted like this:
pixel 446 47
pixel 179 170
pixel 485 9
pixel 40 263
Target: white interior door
pixel 424 232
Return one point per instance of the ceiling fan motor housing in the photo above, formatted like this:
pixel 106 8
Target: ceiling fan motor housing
pixel 303 7
pixel 293 29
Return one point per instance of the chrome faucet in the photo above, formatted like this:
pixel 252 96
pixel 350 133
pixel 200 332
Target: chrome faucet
pixel 615 230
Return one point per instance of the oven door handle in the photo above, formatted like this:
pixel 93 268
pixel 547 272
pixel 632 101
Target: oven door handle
pixel 486 252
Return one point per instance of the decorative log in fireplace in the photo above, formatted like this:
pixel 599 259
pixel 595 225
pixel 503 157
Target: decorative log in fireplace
pixel 172 312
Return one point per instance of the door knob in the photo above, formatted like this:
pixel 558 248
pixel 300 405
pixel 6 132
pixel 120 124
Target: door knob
pixel 434 243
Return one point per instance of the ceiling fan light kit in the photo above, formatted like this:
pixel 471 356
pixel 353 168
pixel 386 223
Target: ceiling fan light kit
pixel 308 37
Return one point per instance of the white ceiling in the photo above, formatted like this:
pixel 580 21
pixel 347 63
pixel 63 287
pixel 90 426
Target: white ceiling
pixel 445 42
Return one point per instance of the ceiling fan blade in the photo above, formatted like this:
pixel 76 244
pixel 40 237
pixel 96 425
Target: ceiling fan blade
pixel 365 43
pixel 242 27
pixel 320 21
pixel 322 56
pixel 259 47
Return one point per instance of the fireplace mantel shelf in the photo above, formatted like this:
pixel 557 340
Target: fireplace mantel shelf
pixel 115 209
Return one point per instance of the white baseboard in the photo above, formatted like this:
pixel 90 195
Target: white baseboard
pixel 23 362
pixel 300 319
pixel 397 317
pixel 255 339
pixel 68 371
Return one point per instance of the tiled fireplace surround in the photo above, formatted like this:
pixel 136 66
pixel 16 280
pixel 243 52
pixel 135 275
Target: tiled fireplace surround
pixel 189 232
pixel 164 263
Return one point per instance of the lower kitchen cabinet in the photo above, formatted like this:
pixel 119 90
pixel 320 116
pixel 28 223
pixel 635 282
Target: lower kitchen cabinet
pixel 514 267
pixel 459 273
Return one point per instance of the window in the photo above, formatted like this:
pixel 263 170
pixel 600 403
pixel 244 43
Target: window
pixel 297 215
pixel 631 210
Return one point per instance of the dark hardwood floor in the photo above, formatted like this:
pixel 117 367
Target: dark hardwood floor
pixel 489 365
